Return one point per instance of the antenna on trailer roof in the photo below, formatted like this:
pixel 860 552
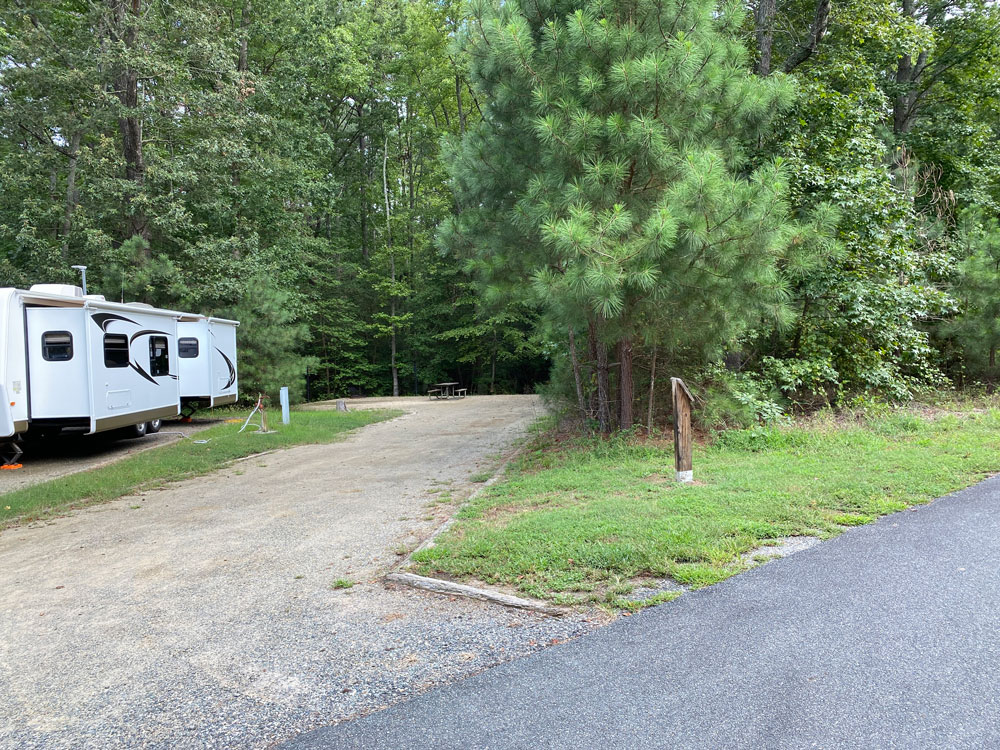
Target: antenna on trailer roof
pixel 83 273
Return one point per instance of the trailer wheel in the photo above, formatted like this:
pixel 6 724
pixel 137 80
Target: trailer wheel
pixel 137 431
pixel 153 426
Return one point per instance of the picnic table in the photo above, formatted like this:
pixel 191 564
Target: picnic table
pixel 446 390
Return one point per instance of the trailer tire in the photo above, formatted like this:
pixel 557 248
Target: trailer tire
pixel 153 426
pixel 137 431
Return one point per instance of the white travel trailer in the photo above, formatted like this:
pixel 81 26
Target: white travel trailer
pixel 76 363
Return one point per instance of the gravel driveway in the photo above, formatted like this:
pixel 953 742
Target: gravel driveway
pixel 204 615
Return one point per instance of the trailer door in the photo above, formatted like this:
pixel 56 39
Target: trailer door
pixel 194 360
pixel 58 385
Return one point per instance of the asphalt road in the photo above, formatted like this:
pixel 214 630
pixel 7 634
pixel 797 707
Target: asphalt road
pixel 886 637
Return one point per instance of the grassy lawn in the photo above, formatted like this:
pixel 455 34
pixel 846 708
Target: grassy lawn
pixel 178 460
pixel 581 520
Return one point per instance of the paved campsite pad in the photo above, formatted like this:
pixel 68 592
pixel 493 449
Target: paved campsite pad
pixel 206 617
pixel 63 456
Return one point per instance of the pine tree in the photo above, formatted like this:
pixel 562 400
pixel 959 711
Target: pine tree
pixel 977 330
pixel 609 178
pixel 271 337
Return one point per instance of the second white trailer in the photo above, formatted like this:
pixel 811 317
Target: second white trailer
pixel 206 350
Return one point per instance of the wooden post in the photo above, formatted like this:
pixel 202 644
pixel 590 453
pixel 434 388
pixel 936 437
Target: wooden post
pixel 682 430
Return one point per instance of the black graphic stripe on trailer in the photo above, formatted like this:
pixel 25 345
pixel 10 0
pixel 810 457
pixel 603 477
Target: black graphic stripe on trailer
pixel 232 368
pixel 103 320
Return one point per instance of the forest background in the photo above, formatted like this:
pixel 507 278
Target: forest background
pixel 790 204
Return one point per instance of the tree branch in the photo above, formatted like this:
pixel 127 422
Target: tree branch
pixel 816 33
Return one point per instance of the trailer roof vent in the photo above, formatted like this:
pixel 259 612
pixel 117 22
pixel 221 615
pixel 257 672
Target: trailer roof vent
pixel 63 290
pixel 139 304
pixel 98 297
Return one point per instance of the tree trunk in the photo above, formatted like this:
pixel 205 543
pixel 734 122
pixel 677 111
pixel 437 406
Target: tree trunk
pixel 410 239
pixel 241 69
pixel 363 218
pixel 411 189
pixel 603 381
pixel 591 390
pixel 580 402
pixel 392 266
pixel 764 21
pixel 326 365
pixel 458 101
pixel 493 364
pixel 392 313
pixel 603 388
pixel 126 82
pixel 907 73
pixel 71 195
pixel 652 391
pixel 904 106
pixel 626 384
pixel 241 63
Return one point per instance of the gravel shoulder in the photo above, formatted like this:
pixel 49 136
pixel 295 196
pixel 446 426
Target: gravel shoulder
pixel 203 615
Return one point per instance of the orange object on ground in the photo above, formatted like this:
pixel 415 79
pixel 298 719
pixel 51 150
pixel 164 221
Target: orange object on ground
pixel 11 467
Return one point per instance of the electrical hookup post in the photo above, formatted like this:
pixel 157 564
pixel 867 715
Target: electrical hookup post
pixel 682 430
pixel 285 416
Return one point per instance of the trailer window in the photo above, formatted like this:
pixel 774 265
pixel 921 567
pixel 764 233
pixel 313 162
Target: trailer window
pixel 187 348
pixel 115 350
pixel 57 346
pixel 159 361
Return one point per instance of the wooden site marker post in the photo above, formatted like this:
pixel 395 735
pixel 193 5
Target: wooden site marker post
pixel 682 430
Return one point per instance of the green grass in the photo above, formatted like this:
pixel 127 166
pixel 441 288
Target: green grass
pixel 175 461
pixel 342 583
pixel 581 520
